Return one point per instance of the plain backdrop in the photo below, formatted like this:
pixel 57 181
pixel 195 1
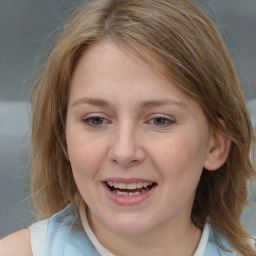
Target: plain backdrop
pixel 27 30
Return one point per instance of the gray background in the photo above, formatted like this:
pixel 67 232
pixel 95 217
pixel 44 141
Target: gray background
pixel 26 33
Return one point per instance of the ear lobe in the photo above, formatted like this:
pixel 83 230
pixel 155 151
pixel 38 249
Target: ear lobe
pixel 219 147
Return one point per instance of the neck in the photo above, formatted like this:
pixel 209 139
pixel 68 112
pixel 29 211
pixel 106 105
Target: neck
pixel 170 238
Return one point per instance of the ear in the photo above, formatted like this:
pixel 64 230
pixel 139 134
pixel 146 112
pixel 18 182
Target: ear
pixel 219 146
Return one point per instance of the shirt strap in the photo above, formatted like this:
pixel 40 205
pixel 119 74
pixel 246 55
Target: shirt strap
pixel 38 232
pixel 101 250
pixel 203 242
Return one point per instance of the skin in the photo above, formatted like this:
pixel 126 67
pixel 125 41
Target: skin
pixel 17 244
pixel 125 121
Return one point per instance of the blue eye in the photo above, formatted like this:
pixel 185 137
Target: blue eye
pixel 95 121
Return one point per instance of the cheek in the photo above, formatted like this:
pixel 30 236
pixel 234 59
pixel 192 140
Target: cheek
pixel 180 154
pixel 180 163
pixel 85 154
pixel 86 158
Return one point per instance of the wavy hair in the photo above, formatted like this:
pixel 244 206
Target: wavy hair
pixel 188 45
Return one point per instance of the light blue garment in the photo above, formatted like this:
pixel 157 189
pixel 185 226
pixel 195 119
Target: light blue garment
pixel 62 240
pixel 212 247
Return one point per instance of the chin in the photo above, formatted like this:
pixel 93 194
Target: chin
pixel 129 225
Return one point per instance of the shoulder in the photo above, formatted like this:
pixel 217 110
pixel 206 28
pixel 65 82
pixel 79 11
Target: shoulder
pixel 16 244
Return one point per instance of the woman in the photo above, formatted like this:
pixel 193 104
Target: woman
pixel 140 127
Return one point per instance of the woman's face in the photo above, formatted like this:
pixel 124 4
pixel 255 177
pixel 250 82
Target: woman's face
pixel 137 145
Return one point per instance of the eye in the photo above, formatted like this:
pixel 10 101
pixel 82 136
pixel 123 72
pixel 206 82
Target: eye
pixel 95 121
pixel 161 121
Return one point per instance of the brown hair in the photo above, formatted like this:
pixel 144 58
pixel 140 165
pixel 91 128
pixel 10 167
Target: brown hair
pixel 192 53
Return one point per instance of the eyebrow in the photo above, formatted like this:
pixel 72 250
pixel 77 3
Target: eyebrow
pixel 145 104
pixel 161 102
pixel 91 101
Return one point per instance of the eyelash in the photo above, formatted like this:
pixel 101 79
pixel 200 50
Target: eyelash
pixel 165 122
pixel 89 121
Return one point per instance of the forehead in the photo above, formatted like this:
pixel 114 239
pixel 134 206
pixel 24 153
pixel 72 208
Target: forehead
pixel 106 63
pixel 107 69
pixel 108 51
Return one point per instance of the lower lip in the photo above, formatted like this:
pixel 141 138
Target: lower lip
pixel 128 200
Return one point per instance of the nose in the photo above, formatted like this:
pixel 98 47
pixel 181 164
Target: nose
pixel 126 149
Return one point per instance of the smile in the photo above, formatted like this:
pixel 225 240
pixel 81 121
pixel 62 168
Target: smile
pixel 129 189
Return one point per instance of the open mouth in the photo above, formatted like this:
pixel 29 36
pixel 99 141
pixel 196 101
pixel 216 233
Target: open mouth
pixel 129 189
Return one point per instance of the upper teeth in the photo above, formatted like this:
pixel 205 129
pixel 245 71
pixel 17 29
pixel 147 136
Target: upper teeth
pixel 134 185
